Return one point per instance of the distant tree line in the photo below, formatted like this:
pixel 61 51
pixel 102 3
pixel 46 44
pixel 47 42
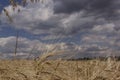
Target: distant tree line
pixel 117 58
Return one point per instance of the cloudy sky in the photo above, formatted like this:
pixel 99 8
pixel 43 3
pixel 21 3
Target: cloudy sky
pixel 79 27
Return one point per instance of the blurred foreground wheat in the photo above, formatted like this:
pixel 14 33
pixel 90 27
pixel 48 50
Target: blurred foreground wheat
pixel 43 69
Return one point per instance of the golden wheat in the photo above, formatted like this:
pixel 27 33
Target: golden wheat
pixel 59 70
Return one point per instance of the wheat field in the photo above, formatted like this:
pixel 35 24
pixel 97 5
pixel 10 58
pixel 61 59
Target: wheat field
pixel 43 69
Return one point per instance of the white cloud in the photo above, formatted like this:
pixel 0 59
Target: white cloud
pixel 105 27
pixel 7 46
pixel 40 18
pixel 55 38
pixel 25 46
pixel 35 48
pixel 30 17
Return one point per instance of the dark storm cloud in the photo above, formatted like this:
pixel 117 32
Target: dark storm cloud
pixel 101 7
pixel 68 6
pixel 95 12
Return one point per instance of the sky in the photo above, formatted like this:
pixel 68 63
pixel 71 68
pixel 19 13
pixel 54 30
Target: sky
pixel 81 28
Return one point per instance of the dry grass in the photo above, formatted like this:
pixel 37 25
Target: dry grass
pixel 59 70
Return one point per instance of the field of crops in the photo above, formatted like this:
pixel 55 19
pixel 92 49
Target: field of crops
pixel 59 70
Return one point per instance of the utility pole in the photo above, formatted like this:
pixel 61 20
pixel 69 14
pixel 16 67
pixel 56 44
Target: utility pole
pixel 16 45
